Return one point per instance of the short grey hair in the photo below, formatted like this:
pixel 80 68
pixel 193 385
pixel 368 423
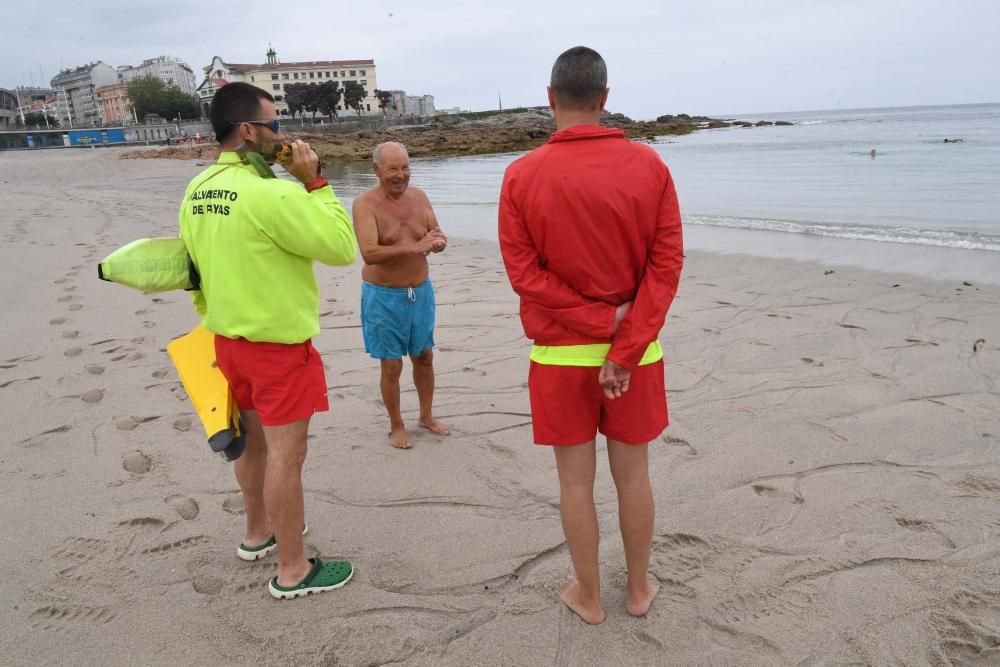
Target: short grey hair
pixel 377 153
pixel 579 76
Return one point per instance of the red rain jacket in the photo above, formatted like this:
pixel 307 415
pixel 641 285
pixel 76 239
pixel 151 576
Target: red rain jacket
pixel 589 221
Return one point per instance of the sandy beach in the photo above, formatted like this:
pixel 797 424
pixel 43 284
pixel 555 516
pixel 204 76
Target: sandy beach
pixel 828 491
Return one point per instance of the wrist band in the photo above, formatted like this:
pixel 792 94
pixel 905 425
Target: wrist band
pixel 316 183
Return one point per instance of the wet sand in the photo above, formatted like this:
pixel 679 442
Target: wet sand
pixel 828 491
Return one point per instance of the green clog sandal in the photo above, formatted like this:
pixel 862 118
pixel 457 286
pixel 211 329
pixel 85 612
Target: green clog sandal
pixel 324 576
pixel 266 549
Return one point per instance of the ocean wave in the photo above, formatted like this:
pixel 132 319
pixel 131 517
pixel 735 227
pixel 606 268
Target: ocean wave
pixel 906 235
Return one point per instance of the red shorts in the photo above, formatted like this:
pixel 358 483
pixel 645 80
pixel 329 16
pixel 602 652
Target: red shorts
pixel 283 383
pixel 568 406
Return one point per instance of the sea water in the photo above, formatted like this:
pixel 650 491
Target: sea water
pixel 811 190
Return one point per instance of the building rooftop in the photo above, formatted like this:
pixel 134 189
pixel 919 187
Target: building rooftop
pixel 70 72
pixel 313 63
pixel 245 67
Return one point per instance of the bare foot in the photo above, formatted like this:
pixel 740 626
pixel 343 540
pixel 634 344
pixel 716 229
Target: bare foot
pixel 593 615
pixel 639 602
pixel 434 426
pixel 399 439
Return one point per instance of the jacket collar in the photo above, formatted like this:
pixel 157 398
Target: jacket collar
pixel 579 132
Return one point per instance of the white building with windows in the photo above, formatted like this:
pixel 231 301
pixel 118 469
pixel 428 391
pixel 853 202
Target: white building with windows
pixel 172 71
pixel 274 76
pixel 75 91
pixel 413 105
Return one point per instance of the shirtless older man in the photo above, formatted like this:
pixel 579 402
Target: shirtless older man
pixel 396 230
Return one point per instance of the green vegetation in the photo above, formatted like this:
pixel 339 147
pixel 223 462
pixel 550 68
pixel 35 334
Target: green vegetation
pixel 354 95
pixel 311 97
pixel 150 95
pixel 384 100
pixel 36 120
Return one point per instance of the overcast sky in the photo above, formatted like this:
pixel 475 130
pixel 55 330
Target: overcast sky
pixel 697 57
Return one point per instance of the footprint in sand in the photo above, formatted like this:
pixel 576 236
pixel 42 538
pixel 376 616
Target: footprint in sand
pixel 131 423
pixel 93 396
pixel 136 462
pixel 186 507
pixel 57 320
pixel 182 424
pixel 59 618
pixel 23 358
pixel 73 352
pixel 65 298
pixel 75 306
pixel 10 382
pixel 207 577
pixel 71 334
pixel 160 373
pixel 207 584
pixel 233 504
pixel 41 437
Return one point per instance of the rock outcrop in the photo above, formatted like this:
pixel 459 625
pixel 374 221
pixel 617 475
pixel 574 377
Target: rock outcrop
pixel 480 133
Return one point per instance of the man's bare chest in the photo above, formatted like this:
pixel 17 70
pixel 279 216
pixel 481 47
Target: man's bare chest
pixel 402 223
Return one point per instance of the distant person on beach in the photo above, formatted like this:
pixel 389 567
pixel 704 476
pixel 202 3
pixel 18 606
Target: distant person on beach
pixel 872 153
pixel 396 230
pixel 253 241
pixel 590 233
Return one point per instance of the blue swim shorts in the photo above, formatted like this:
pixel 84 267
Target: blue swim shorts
pixel 397 321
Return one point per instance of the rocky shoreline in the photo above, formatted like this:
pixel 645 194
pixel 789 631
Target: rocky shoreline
pixel 469 134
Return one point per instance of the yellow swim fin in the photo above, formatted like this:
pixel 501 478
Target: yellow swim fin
pixel 194 357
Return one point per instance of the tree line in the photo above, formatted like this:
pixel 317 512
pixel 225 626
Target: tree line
pixel 36 120
pixel 149 94
pixel 325 97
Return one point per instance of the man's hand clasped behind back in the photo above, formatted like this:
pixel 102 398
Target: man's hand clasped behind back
pixel 613 378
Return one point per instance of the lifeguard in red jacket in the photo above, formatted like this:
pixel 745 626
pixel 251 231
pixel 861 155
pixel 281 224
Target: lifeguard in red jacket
pixel 590 233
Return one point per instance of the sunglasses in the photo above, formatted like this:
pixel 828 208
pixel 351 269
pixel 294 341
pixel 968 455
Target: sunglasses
pixel 275 124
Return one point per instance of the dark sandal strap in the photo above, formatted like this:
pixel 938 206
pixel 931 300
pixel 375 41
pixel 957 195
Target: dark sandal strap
pixel 317 566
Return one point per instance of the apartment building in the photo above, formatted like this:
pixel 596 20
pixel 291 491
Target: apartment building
pixel 412 105
pixel 115 106
pixel 29 97
pixel 172 71
pixel 274 76
pixel 76 99
pixel 9 114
